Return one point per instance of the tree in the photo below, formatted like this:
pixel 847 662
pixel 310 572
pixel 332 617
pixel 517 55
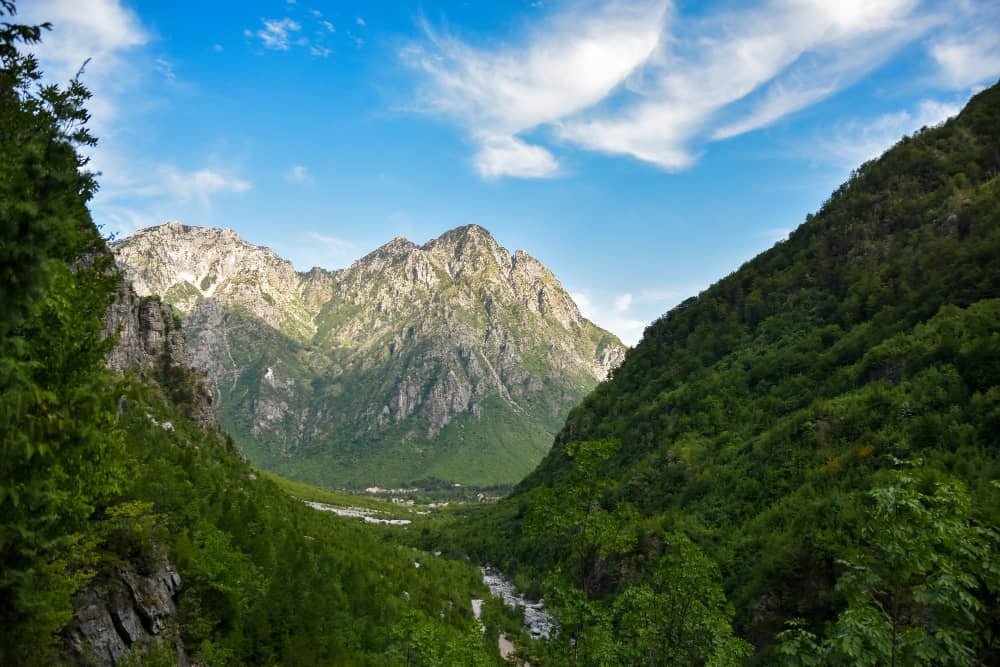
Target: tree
pixel 680 615
pixel 911 587
pixel 577 515
pixel 59 442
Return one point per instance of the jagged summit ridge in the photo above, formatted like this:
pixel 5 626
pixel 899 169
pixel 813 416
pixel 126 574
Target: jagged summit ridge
pixel 411 342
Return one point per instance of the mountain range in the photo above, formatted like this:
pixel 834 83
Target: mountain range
pixel 798 466
pixel 454 361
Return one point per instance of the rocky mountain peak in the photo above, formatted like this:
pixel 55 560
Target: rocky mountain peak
pixel 187 264
pixel 469 250
pixel 455 340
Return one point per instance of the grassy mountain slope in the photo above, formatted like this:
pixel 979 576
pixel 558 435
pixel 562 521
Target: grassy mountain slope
pixel 764 418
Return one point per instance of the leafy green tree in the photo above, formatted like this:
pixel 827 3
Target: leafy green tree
pixel 680 615
pixel 576 517
pixel 60 462
pixel 911 586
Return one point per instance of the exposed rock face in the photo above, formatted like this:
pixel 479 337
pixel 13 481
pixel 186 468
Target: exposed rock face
pixel 186 265
pixel 454 359
pixel 125 612
pixel 150 341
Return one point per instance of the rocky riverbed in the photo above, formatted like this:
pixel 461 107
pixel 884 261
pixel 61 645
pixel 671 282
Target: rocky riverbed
pixel 366 515
pixel 539 623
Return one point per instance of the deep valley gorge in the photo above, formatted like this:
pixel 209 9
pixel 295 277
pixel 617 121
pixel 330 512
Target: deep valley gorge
pixel 436 456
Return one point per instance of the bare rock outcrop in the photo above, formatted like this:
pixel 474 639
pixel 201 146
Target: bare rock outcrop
pixel 125 612
pixel 151 341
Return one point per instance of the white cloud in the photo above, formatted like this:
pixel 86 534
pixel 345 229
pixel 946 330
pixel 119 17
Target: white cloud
pixel 628 314
pixel 218 48
pixel 329 26
pixel 319 51
pixel 858 141
pixel 969 59
pixel 508 156
pixel 277 33
pixel 779 101
pixel 360 21
pixel 101 32
pixel 166 69
pixel 648 81
pixel 136 194
pixel 298 174
pixel 199 185
pixel 120 221
pixel 757 65
pixel 104 33
pixel 585 304
pixel 573 61
pixel 623 302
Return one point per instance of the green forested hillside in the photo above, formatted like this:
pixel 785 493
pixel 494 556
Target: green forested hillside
pixel 103 476
pixel 822 426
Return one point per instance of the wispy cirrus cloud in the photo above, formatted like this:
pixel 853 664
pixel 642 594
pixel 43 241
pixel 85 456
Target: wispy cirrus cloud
pixel 570 62
pixel 855 141
pixel 737 71
pixel 651 82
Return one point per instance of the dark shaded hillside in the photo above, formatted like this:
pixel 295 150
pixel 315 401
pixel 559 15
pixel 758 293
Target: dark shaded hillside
pixel 762 418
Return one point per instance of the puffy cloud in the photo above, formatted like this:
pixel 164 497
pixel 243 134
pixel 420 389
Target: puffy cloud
pixel 629 313
pixel 199 184
pixel 103 34
pixel 277 33
pixel 969 60
pixel 508 156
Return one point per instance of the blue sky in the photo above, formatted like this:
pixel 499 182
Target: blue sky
pixel 640 149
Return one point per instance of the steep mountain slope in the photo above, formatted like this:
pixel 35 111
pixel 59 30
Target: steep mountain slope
pixel 824 423
pixel 454 360
pixel 131 532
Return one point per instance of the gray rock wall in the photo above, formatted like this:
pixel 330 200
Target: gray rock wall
pixel 126 613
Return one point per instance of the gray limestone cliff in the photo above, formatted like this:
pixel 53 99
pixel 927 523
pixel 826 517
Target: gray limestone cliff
pixel 454 360
pixel 125 613
pixel 151 342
